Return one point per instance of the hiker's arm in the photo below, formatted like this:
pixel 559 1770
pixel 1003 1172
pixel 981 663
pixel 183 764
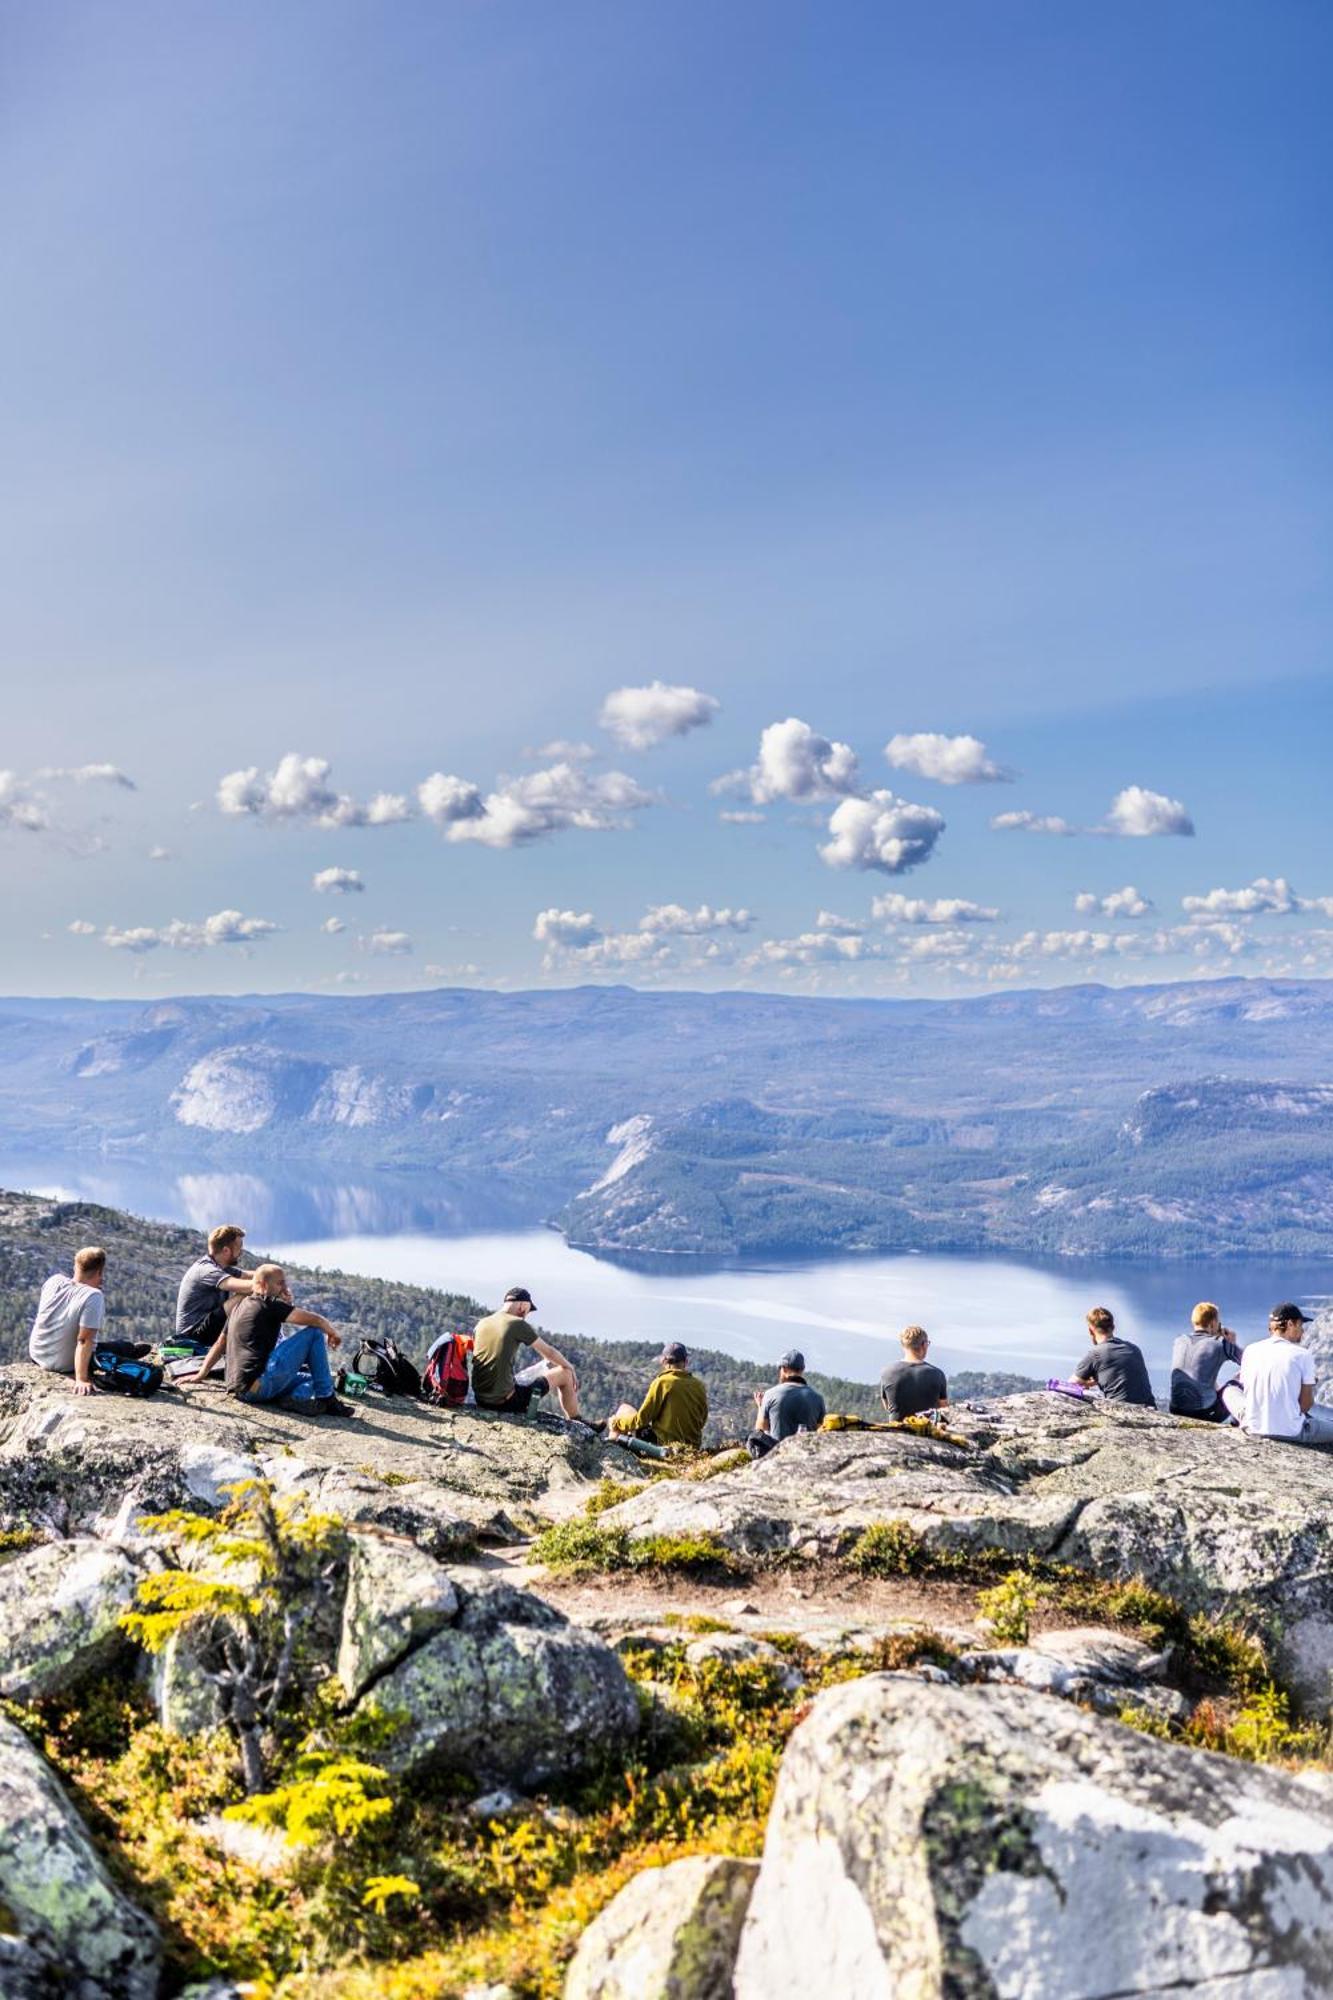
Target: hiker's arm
pixel 1307 1398
pixel 207 1365
pixel 235 1284
pixel 549 1353
pixel 651 1404
pixel 83 1360
pixel 298 1316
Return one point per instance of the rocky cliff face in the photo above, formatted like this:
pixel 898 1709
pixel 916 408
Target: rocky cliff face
pixel 959 1806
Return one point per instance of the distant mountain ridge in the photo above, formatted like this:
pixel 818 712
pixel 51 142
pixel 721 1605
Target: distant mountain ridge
pixel 1169 1120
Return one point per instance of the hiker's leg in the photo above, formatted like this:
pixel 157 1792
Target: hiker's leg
pixel 302 1348
pixel 1233 1396
pixel 1318 1425
pixel 564 1387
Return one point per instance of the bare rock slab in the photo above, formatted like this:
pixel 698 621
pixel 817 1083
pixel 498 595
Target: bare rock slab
pixel 938 1841
pixel 68 1928
pixel 671 1934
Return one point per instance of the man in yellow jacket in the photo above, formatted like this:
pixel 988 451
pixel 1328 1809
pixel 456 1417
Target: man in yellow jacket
pixel 675 1409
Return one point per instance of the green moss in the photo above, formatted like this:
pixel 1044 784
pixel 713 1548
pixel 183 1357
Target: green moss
pixel 584 1546
pixel 610 1493
pixel 892 1548
pixel 13 1541
pixel 697 1622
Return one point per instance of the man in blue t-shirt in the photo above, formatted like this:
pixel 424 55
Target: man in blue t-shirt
pixel 791 1405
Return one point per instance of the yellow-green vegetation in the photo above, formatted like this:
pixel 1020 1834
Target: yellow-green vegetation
pixel 893 1548
pixel 13 1541
pixel 584 1546
pixel 1006 1608
pixel 262 1572
pixel 610 1493
pixel 696 1622
pixel 386 1889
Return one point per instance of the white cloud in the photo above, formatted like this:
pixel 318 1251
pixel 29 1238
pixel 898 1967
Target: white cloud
pixel 81 928
pixel 445 800
pixel 796 763
pixel 1126 902
pixel 949 760
pixel 546 802
pixel 1263 897
pixel 895 908
pixel 566 927
pixel 561 751
pixel 671 919
pixel 299 789
pixel 18 807
pixel 337 882
pixel 159 854
pixel 743 818
pixel 820 947
pixel 1136 813
pixel 640 718
pixel 225 927
pixel 883 832
pixel 1030 822
pixel 333 926
pixel 831 922
pixel 87 774
pixel 387 944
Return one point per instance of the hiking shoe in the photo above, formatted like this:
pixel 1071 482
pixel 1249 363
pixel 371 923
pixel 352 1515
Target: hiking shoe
pixel 331 1406
pixel 592 1423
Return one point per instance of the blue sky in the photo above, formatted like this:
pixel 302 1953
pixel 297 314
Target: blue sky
pixel 389 385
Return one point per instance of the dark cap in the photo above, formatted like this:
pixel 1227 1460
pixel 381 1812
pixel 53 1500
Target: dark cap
pixel 674 1354
pixel 519 1295
pixel 793 1359
pixel 1289 1311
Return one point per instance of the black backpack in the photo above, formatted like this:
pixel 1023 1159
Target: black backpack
pixel 123 1375
pixel 386 1369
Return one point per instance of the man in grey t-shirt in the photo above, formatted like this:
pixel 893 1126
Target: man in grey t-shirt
pixel 791 1405
pixel 70 1314
pixel 210 1281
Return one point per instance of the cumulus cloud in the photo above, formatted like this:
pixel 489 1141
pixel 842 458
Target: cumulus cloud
pixel 18 807
pixel 1126 902
pixel 566 927
pixel 159 854
pixel 387 944
pixel 882 832
pixel 822 947
pixel 445 800
pixel 1262 897
pixel 672 919
pixel 561 751
pixel 895 908
pixel 949 760
pixel 796 763
pixel 546 802
pixel 1030 822
pixel 1136 813
pixel 830 921
pixel 82 928
pixel 299 789
pixel 742 818
pixel 333 926
pixel 225 927
pixel 337 882
pixel 639 718
pixel 87 774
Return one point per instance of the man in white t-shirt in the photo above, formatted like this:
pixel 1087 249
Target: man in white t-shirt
pixel 1277 1378
pixel 69 1320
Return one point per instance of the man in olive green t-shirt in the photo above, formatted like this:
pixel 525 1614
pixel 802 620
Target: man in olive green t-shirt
pixel 675 1409
pixel 496 1383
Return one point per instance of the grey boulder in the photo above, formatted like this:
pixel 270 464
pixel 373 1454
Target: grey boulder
pixel 509 1691
pixel 671 1934
pixel 397 1595
pixel 68 1929
pixel 60 1610
pixel 942 1841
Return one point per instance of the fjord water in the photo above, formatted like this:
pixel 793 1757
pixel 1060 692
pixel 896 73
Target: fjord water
pixel 982 1312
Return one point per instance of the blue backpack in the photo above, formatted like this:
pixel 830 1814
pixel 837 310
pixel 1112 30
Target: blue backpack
pixel 122 1375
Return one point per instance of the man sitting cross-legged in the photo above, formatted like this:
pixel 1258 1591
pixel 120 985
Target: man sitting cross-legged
pixel 266 1363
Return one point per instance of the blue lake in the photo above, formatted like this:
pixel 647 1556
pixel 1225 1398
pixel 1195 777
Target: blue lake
pixel 845 1312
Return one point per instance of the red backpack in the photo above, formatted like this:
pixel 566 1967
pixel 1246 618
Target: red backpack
pixel 446 1377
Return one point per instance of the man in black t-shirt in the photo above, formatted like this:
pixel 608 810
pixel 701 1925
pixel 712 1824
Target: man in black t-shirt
pixel 278 1351
pixel 913 1386
pixel 1116 1366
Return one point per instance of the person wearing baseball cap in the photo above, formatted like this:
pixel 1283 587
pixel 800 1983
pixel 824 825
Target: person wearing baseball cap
pixel 675 1409
pixel 497 1384
pixel 1275 1395
pixel 791 1405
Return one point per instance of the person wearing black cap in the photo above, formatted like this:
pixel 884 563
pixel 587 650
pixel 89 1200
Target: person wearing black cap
pixel 675 1409
pixel 791 1405
pixel 1275 1395
pixel 496 1383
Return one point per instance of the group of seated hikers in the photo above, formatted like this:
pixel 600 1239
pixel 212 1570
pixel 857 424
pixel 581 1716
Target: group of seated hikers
pixel 274 1351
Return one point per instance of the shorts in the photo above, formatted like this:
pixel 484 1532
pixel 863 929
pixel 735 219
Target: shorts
pixel 528 1382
